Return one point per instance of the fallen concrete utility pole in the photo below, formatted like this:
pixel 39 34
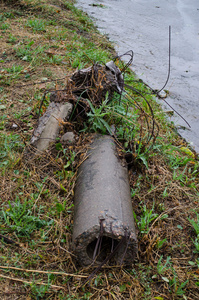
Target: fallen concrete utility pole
pixel 49 125
pixel 103 208
pixel 94 81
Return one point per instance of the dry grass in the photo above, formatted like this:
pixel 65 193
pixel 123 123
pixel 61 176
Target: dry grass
pixel 39 263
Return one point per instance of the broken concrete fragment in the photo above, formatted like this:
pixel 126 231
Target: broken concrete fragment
pixel 68 137
pixel 103 208
pixel 50 124
pixel 117 77
pixel 94 82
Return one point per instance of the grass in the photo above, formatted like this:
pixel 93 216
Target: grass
pixel 41 42
pixel 20 217
pixel 36 24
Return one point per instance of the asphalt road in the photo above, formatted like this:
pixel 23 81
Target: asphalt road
pixel 142 26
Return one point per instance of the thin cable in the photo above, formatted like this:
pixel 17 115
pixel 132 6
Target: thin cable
pixel 169 68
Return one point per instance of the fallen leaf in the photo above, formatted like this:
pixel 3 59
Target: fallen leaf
pixel 187 151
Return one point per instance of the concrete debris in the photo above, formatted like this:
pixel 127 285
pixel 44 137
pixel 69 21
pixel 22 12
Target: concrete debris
pixel 103 208
pixel 68 137
pixel 49 125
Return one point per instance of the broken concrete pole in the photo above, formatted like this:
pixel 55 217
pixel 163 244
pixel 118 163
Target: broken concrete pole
pixel 94 82
pixel 103 208
pixel 50 124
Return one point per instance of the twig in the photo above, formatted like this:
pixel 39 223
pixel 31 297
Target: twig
pixel 13 293
pixel 34 83
pixel 43 272
pixel 7 240
pixel 30 282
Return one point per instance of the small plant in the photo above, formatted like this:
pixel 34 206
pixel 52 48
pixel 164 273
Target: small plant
pixel 9 146
pixel 20 217
pixel 6 15
pixel 68 157
pixel 195 225
pixel 196 244
pixel 12 39
pixel 180 289
pixel 25 52
pixel 96 117
pixel 4 26
pixel 137 187
pixel 176 285
pixel 36 24
pixel 28 53
pixel 55 59
pixel 162 268
pixel 39 291
pixel 14 71
pixel 2 17
pixel 146 218
pixel 160 243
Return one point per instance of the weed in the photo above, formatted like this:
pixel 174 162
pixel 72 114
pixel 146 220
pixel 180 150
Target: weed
pixel 143 274
pixel 9 146
pixel 55 59
pixel 29 53
pixel 19 114
pixel 109 112
pixel 13 72
pixel 4 26
pixel 96 117
pixel 24 52
pixel 68 167
pixel 176 285
pixel 160 243
pixel 171 153
pixel 60 35
pixel 78 54
pixel 39 291
pixel 165 194
pixel 196 244
pixel 19 217
pixel 161 269
pixel 180 289
pixel 12 39
pixel 2 17
pixel 36 24
pixel 195 225
pixel 6 15
pixel 148 215
pixel 98 280
pixel 137 186
pixel 180 176
pixel 196 263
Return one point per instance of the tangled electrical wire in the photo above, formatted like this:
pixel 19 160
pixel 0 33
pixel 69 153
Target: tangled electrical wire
pixel 98 95
pixel 102 86
pixel 91 87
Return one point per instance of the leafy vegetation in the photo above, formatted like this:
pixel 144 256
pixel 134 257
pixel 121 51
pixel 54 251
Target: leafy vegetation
pixel 20 217
pixel 42 42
